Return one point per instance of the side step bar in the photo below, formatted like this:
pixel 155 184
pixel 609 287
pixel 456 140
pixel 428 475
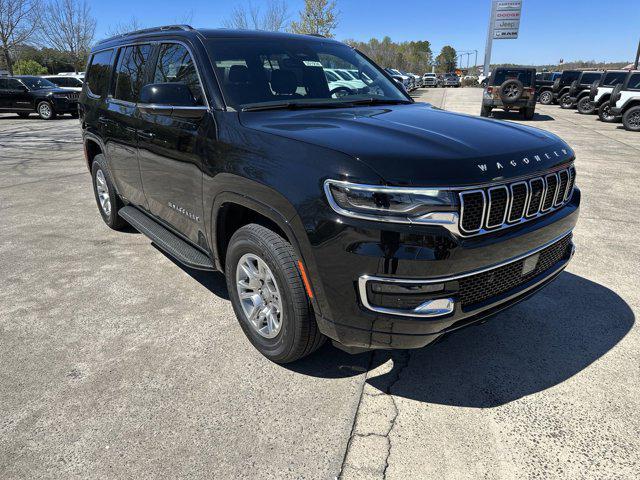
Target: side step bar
pixel 166 240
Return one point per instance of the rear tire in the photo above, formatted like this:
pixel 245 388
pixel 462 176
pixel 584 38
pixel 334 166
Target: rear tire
pixel 106 197
pixel 485 111
pixel 631 119
pixel 586 106
pixel 546 97
pixel 528 113
pixel 46 111
pixel 605 115
pixel 297 333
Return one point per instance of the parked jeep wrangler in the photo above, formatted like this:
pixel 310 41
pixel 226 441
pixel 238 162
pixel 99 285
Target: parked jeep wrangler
pixel 625 101
pixel 367 218
pixel 561 85
pixel 601 93
pixel 510 89
pixel 578 93
pixel 544 86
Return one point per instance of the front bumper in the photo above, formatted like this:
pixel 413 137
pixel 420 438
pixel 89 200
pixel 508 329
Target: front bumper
pixel 429 255
pixel 63 105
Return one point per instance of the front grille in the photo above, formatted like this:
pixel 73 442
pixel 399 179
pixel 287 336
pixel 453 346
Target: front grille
pixel 500 206
pixel 483 286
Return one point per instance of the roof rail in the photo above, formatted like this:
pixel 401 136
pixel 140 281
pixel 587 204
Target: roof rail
pixel 163 28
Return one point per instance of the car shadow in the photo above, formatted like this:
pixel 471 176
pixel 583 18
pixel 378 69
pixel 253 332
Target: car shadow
pixel 529 348
pixel 502 115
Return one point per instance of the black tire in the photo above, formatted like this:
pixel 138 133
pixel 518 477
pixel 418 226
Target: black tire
pixel 586 106
pixel 45 110
pixel 631 119
pixel 565 101
pixel 298 335
pixel 24 114
pixel 111 217
pixel 546 97
pixel 528 113
pixel 511 91
pixel 485 111
pixel 556 85
pixel 605 115
pixel 74 114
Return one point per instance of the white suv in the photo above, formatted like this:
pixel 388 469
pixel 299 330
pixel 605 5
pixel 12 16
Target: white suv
pixel 601 94
pixel 625 102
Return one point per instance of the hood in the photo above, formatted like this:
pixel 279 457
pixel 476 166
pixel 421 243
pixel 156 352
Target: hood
pixel 418 145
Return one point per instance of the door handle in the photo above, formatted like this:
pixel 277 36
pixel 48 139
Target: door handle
pixel 146 134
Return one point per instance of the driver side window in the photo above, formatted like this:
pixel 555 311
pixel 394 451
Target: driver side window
pixel 176 65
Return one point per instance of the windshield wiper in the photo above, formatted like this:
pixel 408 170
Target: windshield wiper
pixel 294 105
pixel 379 101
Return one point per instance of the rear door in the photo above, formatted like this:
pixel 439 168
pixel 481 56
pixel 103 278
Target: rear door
pixel 20 97
pixel 121 121
pixel 169 146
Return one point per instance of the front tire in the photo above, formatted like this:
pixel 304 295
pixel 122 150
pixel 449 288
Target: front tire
pixel 46 111
pixel 546 97
pixel 269 296
pixel 565 102
pixel 605 115
pixel 631 119
pixel 106 197
pixel 586 106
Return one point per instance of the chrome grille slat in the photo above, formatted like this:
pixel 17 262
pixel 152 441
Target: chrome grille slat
pixel 494 207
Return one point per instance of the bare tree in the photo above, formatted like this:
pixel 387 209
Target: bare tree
pixel 69 26
pixel 124 27
pixel 19 20
pixel 274 18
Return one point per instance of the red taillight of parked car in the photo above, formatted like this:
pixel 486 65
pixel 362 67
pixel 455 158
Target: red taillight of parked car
pixel 530 90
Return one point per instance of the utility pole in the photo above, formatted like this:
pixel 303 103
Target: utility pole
pixel 489 45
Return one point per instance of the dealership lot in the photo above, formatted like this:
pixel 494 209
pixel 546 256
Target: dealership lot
pixel 117 362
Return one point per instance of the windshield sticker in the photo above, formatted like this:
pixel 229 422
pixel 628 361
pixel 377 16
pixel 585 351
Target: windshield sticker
pixel 312 63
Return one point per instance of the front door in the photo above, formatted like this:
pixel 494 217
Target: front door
pixel 121 122
pixel 169 147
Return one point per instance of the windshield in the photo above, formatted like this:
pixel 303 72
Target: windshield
pixel 260 71
pixel 35 83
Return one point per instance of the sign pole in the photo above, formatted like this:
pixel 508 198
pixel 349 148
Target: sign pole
pixel 487 49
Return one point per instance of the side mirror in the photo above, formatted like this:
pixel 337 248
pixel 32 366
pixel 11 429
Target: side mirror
pixel 173 99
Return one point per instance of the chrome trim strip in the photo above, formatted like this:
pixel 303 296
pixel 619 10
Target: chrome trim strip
pixel 506 206
pixel 526 201
pixel 484 209
pixel 363 279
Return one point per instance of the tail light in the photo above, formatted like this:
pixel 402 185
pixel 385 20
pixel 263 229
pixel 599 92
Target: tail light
pixel 530 90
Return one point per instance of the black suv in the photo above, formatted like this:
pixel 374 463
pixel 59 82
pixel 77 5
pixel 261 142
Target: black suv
pixel 579 90
pixel 511 89
pixel 562 84
pixel 25 94
pixel 544 86
pixel 367 218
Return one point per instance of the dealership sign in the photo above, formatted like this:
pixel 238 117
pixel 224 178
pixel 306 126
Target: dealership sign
pixel 505 19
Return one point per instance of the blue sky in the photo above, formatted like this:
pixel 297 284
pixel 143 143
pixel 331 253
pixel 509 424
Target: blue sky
pixel 550 29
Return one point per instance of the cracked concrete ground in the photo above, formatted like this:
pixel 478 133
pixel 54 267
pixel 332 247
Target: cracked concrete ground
pixel 117 363
pixel 548 389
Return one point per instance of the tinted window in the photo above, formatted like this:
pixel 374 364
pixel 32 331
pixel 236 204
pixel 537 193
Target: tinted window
pixel 634 82
pixel 13 84
pixel 569 77
pixel 129 72
pixel 3 83
pixel 37 83
pixel 525 76
pixel 613 78
pixel 99 73
pixel 589 78
pixel 176 65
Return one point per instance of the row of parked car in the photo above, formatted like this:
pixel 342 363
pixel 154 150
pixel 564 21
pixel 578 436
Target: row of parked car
pixel 614 95
pixel 48 95
pixel 411 81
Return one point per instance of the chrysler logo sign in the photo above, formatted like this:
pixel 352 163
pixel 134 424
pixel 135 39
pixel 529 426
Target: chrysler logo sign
pixel 531 160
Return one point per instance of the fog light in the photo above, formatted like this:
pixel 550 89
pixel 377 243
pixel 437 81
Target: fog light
pixel 406 288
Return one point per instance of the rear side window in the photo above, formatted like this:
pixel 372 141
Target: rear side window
pixel 634 82
pixel 569 77
pixel 613 78
pixel 99 73
pixel 176 65
pixel 589 78
pixel 525 76
pixel 129 72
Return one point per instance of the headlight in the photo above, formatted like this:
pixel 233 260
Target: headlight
pixel 391 204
